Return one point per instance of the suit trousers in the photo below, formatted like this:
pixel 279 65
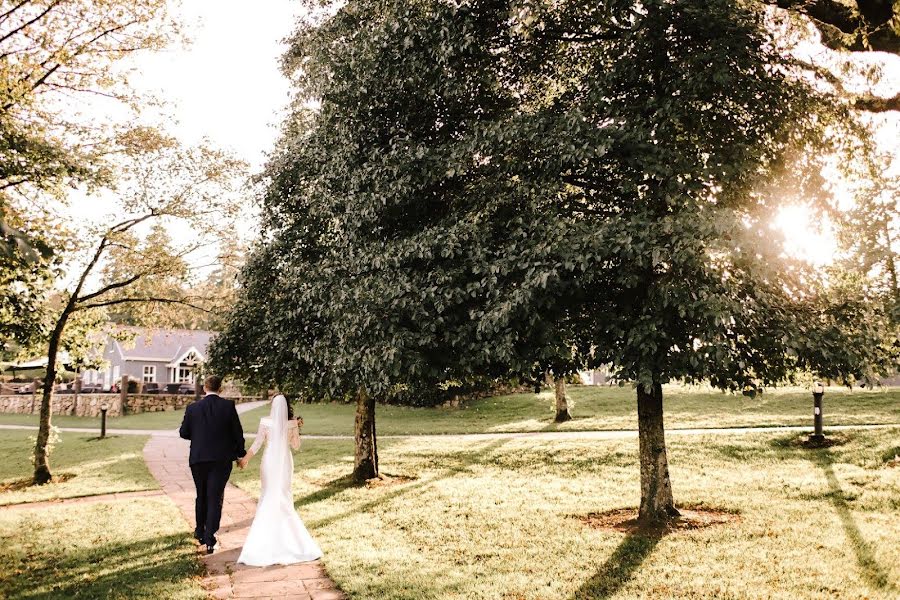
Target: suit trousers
pixel 210 479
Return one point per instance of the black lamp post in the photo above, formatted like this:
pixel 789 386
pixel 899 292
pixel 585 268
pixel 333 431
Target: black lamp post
pixel 103 409
pixel 818 391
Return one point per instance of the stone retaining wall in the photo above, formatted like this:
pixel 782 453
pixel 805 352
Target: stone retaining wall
pixel 88 405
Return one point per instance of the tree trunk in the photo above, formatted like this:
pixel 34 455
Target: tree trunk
pixel 891 264
pixel 42 473
pixel 562 403
pixel 76 389
pixel 657 503
pixel 366 463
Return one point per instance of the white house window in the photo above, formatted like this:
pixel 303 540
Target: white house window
pixel 184 368
pixel 149 373
pixel 185 374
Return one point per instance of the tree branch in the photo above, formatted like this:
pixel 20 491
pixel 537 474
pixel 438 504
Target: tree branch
pixel 27 24
pixel 866 25
pixel 112 286
pixel 7 14
pixel 872 103
pixel 148 300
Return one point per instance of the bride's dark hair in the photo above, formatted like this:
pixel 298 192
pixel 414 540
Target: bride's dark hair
pixel 290 408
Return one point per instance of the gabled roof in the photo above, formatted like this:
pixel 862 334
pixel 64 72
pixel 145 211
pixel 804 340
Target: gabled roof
pixel 163 345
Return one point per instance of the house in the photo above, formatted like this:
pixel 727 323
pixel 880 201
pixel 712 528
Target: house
pixel 595 377
pixel 160 356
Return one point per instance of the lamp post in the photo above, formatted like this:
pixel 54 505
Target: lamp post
pixel 103 409
pixel 818 391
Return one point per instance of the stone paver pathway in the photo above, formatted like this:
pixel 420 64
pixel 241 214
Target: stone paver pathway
pixel 167 459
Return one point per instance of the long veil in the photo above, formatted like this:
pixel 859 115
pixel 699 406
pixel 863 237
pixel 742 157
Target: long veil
pixel 277 459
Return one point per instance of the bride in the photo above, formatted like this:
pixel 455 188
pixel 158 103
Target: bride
pixel 277 535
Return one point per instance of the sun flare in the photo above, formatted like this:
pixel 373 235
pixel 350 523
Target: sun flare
pixel 807 236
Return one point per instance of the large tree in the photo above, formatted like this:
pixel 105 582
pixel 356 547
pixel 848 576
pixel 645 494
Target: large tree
pixel 501 188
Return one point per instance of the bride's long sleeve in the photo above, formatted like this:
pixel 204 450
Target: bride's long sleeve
pixel 258 442
pixel 294 435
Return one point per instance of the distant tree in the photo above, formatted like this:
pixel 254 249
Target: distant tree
pixel 161 182
pixel 869 232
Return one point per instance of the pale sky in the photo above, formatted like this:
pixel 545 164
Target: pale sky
pixel 224 85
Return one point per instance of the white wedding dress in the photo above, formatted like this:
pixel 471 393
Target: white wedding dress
pixel 277 535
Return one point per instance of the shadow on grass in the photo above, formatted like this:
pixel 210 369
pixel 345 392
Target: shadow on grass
pixel 481 455
pixel 872 572
pixel 158 567
pixel 621 565
pixel 332 488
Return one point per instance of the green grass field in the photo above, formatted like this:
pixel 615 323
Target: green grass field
pixel 599 408
pixel 88 466
pixel 595 407
pixel 136 549
pixel 502 519
pixel 150 420
pixel 499 519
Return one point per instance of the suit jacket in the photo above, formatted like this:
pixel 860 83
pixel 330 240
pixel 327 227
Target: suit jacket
pixel 214 428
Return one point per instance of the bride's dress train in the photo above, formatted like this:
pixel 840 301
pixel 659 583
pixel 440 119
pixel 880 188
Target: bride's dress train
pixel 277 535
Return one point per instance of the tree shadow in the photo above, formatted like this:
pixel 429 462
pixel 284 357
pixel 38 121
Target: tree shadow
pixel 149 568
pixel 621 565
pixel 332 488
pixel 468 460
pixel 872 572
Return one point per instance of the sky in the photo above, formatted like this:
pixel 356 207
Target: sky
pixel 224 85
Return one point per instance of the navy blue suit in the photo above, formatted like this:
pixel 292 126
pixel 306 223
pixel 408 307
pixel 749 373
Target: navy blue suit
pixel 217 440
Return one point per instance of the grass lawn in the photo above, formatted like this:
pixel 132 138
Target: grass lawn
pixel 498 519
pixel 128 549
pixel 88 466
pixel 601 407
pixel 595 407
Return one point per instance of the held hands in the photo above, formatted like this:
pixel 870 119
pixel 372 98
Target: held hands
pixel 242 462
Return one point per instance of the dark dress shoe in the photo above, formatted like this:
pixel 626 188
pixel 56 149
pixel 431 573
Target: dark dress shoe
pixel 210 549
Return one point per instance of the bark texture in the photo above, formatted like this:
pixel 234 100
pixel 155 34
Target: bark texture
pixel 42 472
pixel 562 401
pixel 366 461
pixel 657 502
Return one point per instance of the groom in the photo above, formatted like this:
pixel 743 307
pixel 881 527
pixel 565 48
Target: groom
pixel 217 440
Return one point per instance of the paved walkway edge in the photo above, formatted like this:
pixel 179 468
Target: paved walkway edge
pixel 167 459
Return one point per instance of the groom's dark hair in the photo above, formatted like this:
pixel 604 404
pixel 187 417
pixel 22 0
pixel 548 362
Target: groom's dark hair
pixel 213 383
